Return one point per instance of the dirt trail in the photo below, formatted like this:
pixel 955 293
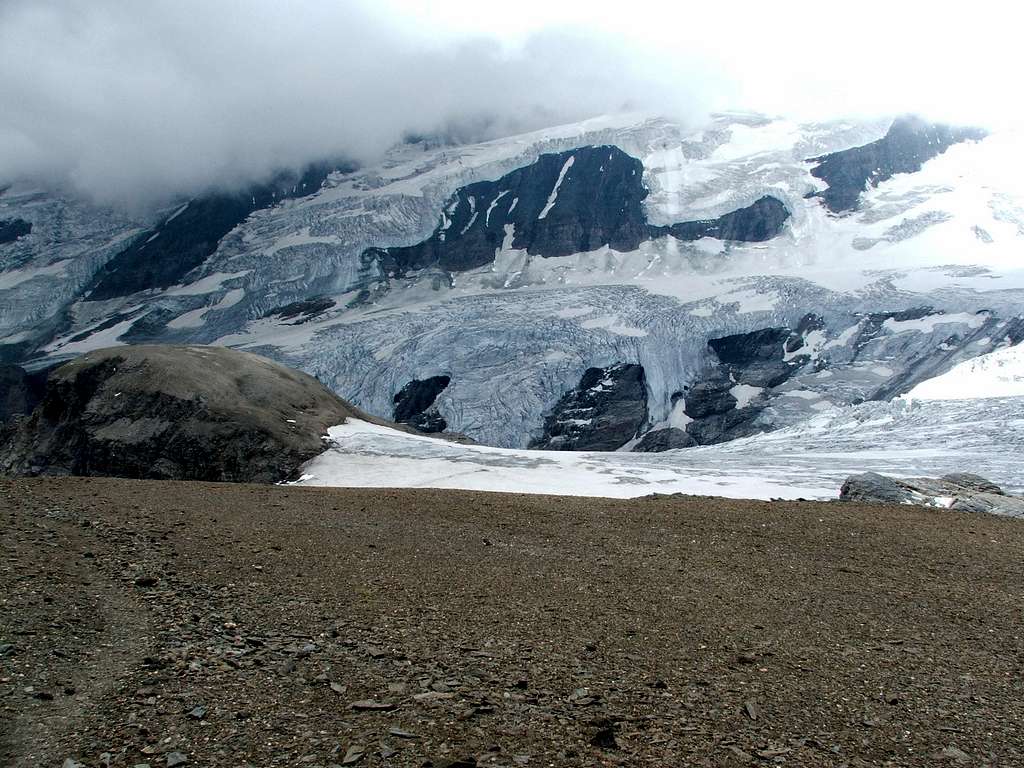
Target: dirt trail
pixel 229 625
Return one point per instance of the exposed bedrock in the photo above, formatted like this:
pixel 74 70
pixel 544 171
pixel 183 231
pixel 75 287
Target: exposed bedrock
pixel 564 203
pixel 667 439
pixel 415 404
pixel 20 391
pixel 760 221
pixel 12 229
pixel 188 413
pixel 726 402
pixel 603 412
pixel 303 311
pixel 756 358
pixel 160 257
pixel 909 143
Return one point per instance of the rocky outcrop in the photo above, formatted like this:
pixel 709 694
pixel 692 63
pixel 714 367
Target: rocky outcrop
pixel 564 203
pixel 604 412
pixel 992 331
pixel 20 391
pixel 300 312
pixel 415 404
pixel 757 358
pixel 195 413
pixel 709 398
pixel 760 221
pixel 961 491
pixel 160 257
pixel 12 229
pixel 909 143
pixel 720 404
pixel 667 439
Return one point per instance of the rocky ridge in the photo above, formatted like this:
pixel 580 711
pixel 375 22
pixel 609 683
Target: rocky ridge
pixel 174 412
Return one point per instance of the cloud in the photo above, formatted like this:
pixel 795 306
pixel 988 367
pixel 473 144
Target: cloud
pixel 128 102
pixel 131 102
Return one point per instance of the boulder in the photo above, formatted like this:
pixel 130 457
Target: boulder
pixel 959 490
pixel 175 412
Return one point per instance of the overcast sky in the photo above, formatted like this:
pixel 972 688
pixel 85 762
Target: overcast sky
pixel 133 101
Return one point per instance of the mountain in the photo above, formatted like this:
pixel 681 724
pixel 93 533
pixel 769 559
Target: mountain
pixel 625 282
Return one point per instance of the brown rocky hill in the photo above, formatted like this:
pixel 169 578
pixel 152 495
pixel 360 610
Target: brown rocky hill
pixel 175 412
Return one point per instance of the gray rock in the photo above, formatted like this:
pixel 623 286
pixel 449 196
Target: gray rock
pixel 974 482
pixel 756 358
pixel 722 427
pixel 599 203
pixel 664 440
pixel 604 412
pixel 20 391
pixel 959 491
pixel 12 229
pixel 353 755
pixel 873 488
pixel 415 404
pixel 709 398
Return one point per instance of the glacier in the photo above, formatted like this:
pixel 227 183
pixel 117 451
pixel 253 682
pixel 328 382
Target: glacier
pixel 903 438
pixel 516 334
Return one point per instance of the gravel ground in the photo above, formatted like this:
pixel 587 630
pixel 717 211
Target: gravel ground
pixel 205 624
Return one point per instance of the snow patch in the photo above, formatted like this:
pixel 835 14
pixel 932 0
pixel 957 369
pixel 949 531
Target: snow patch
pixel 744 393
pixel 928 323
pixel 554 192
pixel 996 374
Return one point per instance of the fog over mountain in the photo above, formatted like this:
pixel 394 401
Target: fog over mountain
pixel 137 102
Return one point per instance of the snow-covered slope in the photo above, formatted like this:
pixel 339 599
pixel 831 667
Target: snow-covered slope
pixel 860 304
pixel 996 374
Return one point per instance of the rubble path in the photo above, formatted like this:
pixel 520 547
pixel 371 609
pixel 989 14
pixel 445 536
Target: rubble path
pixel 199 624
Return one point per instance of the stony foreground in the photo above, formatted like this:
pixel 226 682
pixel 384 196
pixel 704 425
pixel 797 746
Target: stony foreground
pixel 197 624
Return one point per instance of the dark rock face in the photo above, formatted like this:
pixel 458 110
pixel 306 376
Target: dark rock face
pixel 414 404
pixel 909 143
pixel 20 391
pixel 756 358
pixel 604 412
pixel 304 310
pixel 959 490
pixel 664 440
pixel 722 427
pixel 12 229
pixel 761 221
pixel 562 204
pixel 189 413
pixel 709 398
pixel 873 488
pixel 160 257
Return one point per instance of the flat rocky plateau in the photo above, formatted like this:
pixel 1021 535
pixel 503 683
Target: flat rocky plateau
pixel 201 624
